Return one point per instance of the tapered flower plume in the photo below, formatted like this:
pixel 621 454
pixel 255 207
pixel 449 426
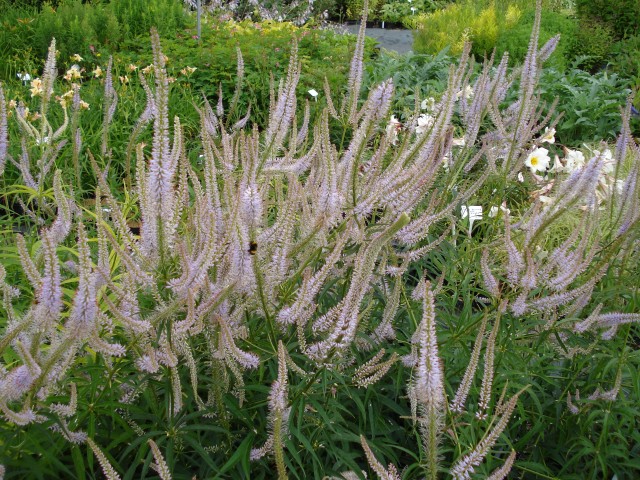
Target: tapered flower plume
pixel 457 405
pixel 283 110
pixel 373 370
pixel 17 382
pixel 48 77
pixel 110 102
pixel 389 473
pixel 502 472
pixel 4 131
pixel 161 465
pixel 50 295
pixel 157 202
pixel 278 417
pixel 429 383
pixel 83 315
pixel 106 466
pixel 357 68
pixel 464 467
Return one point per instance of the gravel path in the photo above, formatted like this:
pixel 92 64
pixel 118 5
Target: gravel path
pixel 400 41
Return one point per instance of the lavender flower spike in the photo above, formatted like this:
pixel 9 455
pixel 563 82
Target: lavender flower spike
pixel 355 73
pixel 4 132
pixel 429 384
pixel 464 467
pixel 82 318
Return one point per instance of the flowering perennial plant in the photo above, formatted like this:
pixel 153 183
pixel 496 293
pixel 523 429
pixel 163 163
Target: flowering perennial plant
pixel 274 253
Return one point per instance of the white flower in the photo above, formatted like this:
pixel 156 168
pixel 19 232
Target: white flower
pixel 446 159
pixel 425 122
pixel 467 93
pixel 495 210
pixel 520 177
pixel 458 142
pixel 25 77
pixel 548 136
pixel 608 162
pixel 557 165
pixel 314 94
pixel 538 160
pixel 393 128
pixel 573 160
pixel 428 103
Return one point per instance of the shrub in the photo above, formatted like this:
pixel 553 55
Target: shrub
pixel 265 48
pixel 515 40
pixel 76 26
pixel 625 59
pixel 621 16
pixel 354 8
pixel 415 77
pixel 449 27
pixel 591 44
pixel 478 22
pixel 297 12
pixel 84 28
pixel 399 11
pixel 590 104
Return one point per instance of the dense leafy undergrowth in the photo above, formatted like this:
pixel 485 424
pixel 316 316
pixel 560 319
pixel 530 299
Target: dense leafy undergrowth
pixel 432 279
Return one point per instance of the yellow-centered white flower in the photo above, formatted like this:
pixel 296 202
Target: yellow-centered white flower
pixel 549 135
pixel 538 160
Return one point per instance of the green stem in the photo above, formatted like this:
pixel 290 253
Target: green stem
pixel 278 451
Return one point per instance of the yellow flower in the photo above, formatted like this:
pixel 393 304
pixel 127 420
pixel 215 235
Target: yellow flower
pixel 12 104
pixel 187 71
pixel 97 72
pixel 124 80
pixel 147 70
pixel 84 105
pixel 72 74
pixel 36 87
pixel 132 67
pixel 65 98
pixel 76 58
